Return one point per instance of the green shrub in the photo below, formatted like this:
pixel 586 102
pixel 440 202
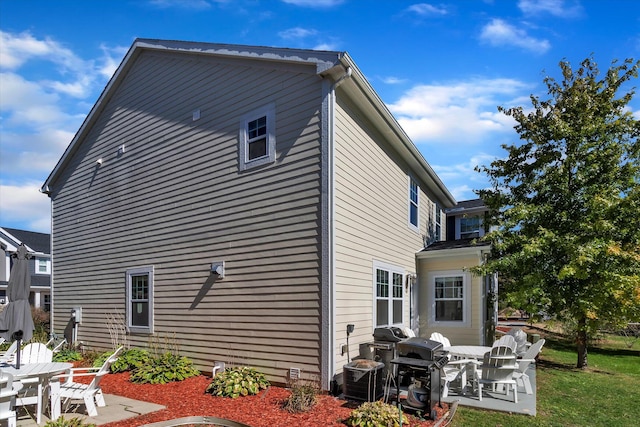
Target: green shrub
pixel 73 422
pixel 130 360
pixel 100 358
pixel 235 382
pixel 163 369
pixel 303 397
pixel 375 414
pixel 67 355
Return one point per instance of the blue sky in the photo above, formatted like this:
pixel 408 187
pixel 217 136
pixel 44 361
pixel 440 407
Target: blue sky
pixel 442 67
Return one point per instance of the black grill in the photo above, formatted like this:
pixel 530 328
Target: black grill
pixel 419 362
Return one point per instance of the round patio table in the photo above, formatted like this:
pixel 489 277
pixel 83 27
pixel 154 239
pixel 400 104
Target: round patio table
pixel 40 371
pixel 468 351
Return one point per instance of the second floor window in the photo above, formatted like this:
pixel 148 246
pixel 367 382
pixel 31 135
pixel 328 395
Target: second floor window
pixel 413 203
pixel 257 138
pixel 43 266
pixel 438 222
pixel 470 227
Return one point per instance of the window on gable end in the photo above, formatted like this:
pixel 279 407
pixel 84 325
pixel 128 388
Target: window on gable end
pixel 257 137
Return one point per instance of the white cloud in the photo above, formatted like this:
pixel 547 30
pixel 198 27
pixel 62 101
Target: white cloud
pixel 326 46
pixel 391 80
pixel 314 3
pixel 425 9
pixel 553 7
pixel 40 117
pixel 183 4
pixel 297 33
pixel 500 33
pixel 464 112
pixel 25 203
pixel 462 179
pixel 111 58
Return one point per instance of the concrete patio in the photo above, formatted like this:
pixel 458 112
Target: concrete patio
pixel 499 401
pixel 118 408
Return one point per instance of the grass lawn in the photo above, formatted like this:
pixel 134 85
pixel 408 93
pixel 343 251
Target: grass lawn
pixel 606 394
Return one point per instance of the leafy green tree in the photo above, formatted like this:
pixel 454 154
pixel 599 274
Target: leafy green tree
pixel 565 202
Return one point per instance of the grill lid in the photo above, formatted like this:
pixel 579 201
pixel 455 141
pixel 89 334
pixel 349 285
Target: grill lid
pixel 420 348
pixel 389 333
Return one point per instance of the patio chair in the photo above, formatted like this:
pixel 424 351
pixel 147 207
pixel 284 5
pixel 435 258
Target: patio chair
pixel 506 340
pixel 32 391
pixel 453 371
pixel 498 368
pixel 8 393
pixel 437 336
pixel 56 345
pixel 36 353
pixel 8 355
pixel 529 357
pixel 520 337
pixel 90 393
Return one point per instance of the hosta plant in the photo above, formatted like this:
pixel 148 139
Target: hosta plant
pixel 164 369
pixel 67 355
pixel 239 381
pixel 375 414
pixel 130 360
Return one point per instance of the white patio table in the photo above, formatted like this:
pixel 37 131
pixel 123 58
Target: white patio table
pixel 468 351
pixel 42 371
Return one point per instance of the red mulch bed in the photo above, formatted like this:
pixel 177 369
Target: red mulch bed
pixel 187 399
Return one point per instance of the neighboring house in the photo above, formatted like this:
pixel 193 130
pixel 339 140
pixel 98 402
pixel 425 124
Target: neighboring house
pixel 38 244
pixel 279 169
pixel 460 305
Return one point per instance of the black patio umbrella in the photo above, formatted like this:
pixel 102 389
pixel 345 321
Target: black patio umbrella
pixel 16 323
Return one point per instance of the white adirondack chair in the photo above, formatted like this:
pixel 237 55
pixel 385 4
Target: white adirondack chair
pixel 506 340
pixel 498 368
pixel 437 336
pixel 453 371
pixel 7 399
pixel 36 353
pixel 90 393
pixel 8 355
pixel 32 392
pixel 529 357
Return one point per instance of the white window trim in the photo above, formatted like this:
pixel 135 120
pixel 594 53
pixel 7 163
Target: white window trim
pixel 48 265
pixel 132 272
pixel 269 111
pixel 391 269
pixel 466 299
pixel 416 226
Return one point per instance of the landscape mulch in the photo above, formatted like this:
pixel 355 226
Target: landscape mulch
pixel 187 399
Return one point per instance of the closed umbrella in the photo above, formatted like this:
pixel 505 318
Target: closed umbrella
pixel 16 322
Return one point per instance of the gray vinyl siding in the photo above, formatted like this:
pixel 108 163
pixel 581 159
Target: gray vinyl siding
pixel 372 225
pixel 175 200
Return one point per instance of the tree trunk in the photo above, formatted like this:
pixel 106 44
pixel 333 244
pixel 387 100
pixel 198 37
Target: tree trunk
pixel 581 341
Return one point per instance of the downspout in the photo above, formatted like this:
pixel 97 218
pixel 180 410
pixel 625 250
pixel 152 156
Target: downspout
pixel 47 191
pixel 328 271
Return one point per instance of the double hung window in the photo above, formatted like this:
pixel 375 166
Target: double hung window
pixel 389 296
pixel 140 300
pixel 449 298
pixel 257 138
pixel 413 203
